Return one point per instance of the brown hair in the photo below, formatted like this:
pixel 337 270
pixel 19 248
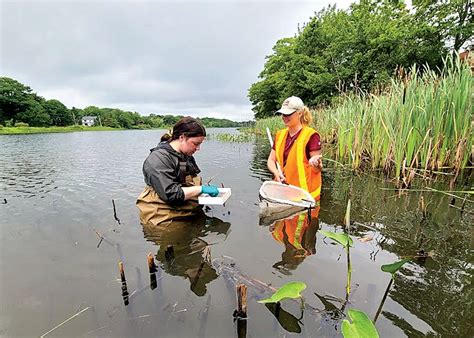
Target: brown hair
pixel 187 126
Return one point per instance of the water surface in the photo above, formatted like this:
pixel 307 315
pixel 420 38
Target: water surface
pixel 59 188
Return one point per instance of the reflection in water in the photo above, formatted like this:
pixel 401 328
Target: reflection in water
pixel 287 321
pixel 59 186
pixel 332 315
pixel 298 234
pixel 258 164
pixel 182 248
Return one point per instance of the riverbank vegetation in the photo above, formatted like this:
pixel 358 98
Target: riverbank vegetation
pixel 421 123
pixel 386 85
pixel 25 129
pixel 20 107
pixel 360 49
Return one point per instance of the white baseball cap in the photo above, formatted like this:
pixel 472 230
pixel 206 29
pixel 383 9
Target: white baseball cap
pixel 290 105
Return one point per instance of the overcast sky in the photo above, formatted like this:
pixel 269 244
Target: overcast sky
pixel 195 58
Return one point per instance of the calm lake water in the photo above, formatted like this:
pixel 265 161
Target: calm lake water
pixel 56 194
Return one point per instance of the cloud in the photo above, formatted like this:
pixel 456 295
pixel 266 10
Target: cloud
pixel 163 57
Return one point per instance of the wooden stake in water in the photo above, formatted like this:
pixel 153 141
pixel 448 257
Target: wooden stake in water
pixel 241 311
pixel 151 263
pixel 124 284
pixel 241 328
pixel 152 269
pixel 115 212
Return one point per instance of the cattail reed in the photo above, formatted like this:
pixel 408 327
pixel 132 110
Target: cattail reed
pixel 422 120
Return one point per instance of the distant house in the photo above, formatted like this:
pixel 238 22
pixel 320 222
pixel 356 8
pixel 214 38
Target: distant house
pixel 88 120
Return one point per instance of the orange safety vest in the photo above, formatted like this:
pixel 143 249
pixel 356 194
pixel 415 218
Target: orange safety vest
pixel 294 228
pixel 297 170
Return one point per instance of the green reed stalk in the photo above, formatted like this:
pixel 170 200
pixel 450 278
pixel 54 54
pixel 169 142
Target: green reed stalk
pixel 419 122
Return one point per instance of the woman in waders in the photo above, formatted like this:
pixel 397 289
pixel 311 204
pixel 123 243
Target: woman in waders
pixel 171 176
pixel 297 149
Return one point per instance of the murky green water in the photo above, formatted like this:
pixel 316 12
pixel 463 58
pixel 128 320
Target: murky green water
pixel 59 190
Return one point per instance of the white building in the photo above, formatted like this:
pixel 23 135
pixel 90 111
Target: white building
pixel 88 120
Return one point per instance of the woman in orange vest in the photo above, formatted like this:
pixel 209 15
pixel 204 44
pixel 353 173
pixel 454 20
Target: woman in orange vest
pixel 297 149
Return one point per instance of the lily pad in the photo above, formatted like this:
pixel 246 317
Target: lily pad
pixel 289 290
pixel 342 239
pixel 394 267
pixel 361 326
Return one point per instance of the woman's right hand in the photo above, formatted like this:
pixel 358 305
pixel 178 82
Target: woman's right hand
pixel 210 190
pixel 280 178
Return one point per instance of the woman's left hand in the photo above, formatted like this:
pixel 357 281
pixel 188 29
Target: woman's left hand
pixel 316 161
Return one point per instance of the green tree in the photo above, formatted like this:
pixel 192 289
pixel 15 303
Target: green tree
pixel 170 120
pixel 60 115
pixel 35 114
pixel 453 19
pixel 266 95
pixel 124 119
pixel 349 50
pixel 91 111
pixel 153 121
pixel 14 99
pixel 77 115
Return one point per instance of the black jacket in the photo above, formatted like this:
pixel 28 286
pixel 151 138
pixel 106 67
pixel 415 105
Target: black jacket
pixel 165 170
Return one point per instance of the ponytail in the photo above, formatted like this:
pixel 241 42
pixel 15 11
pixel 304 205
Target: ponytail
pixel 306 116
pixel 166 136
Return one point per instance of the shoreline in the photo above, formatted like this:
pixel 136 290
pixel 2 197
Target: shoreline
pixel 48 130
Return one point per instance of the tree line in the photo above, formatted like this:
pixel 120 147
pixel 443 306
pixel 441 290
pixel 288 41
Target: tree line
pixel 18 103
pixel 360 49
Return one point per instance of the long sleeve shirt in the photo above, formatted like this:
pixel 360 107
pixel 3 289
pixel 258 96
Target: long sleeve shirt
pixel 165 170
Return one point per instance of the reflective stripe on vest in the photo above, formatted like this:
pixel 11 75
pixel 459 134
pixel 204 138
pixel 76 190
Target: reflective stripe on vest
pixel 299 227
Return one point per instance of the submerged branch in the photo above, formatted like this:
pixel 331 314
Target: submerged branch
pixel 67 320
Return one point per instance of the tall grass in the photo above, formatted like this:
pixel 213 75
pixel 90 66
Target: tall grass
pixel 419 122
pixel 273 123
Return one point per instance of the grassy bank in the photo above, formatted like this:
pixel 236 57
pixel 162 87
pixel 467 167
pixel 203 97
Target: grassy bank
pixel 418 125
pixel 42 130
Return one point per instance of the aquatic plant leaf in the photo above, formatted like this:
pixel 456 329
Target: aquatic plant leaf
pixel 289 290
pixel 342 239
pixel 394 267
pixel 361 326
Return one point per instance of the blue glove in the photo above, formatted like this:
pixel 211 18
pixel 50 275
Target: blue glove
pixel 210 190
